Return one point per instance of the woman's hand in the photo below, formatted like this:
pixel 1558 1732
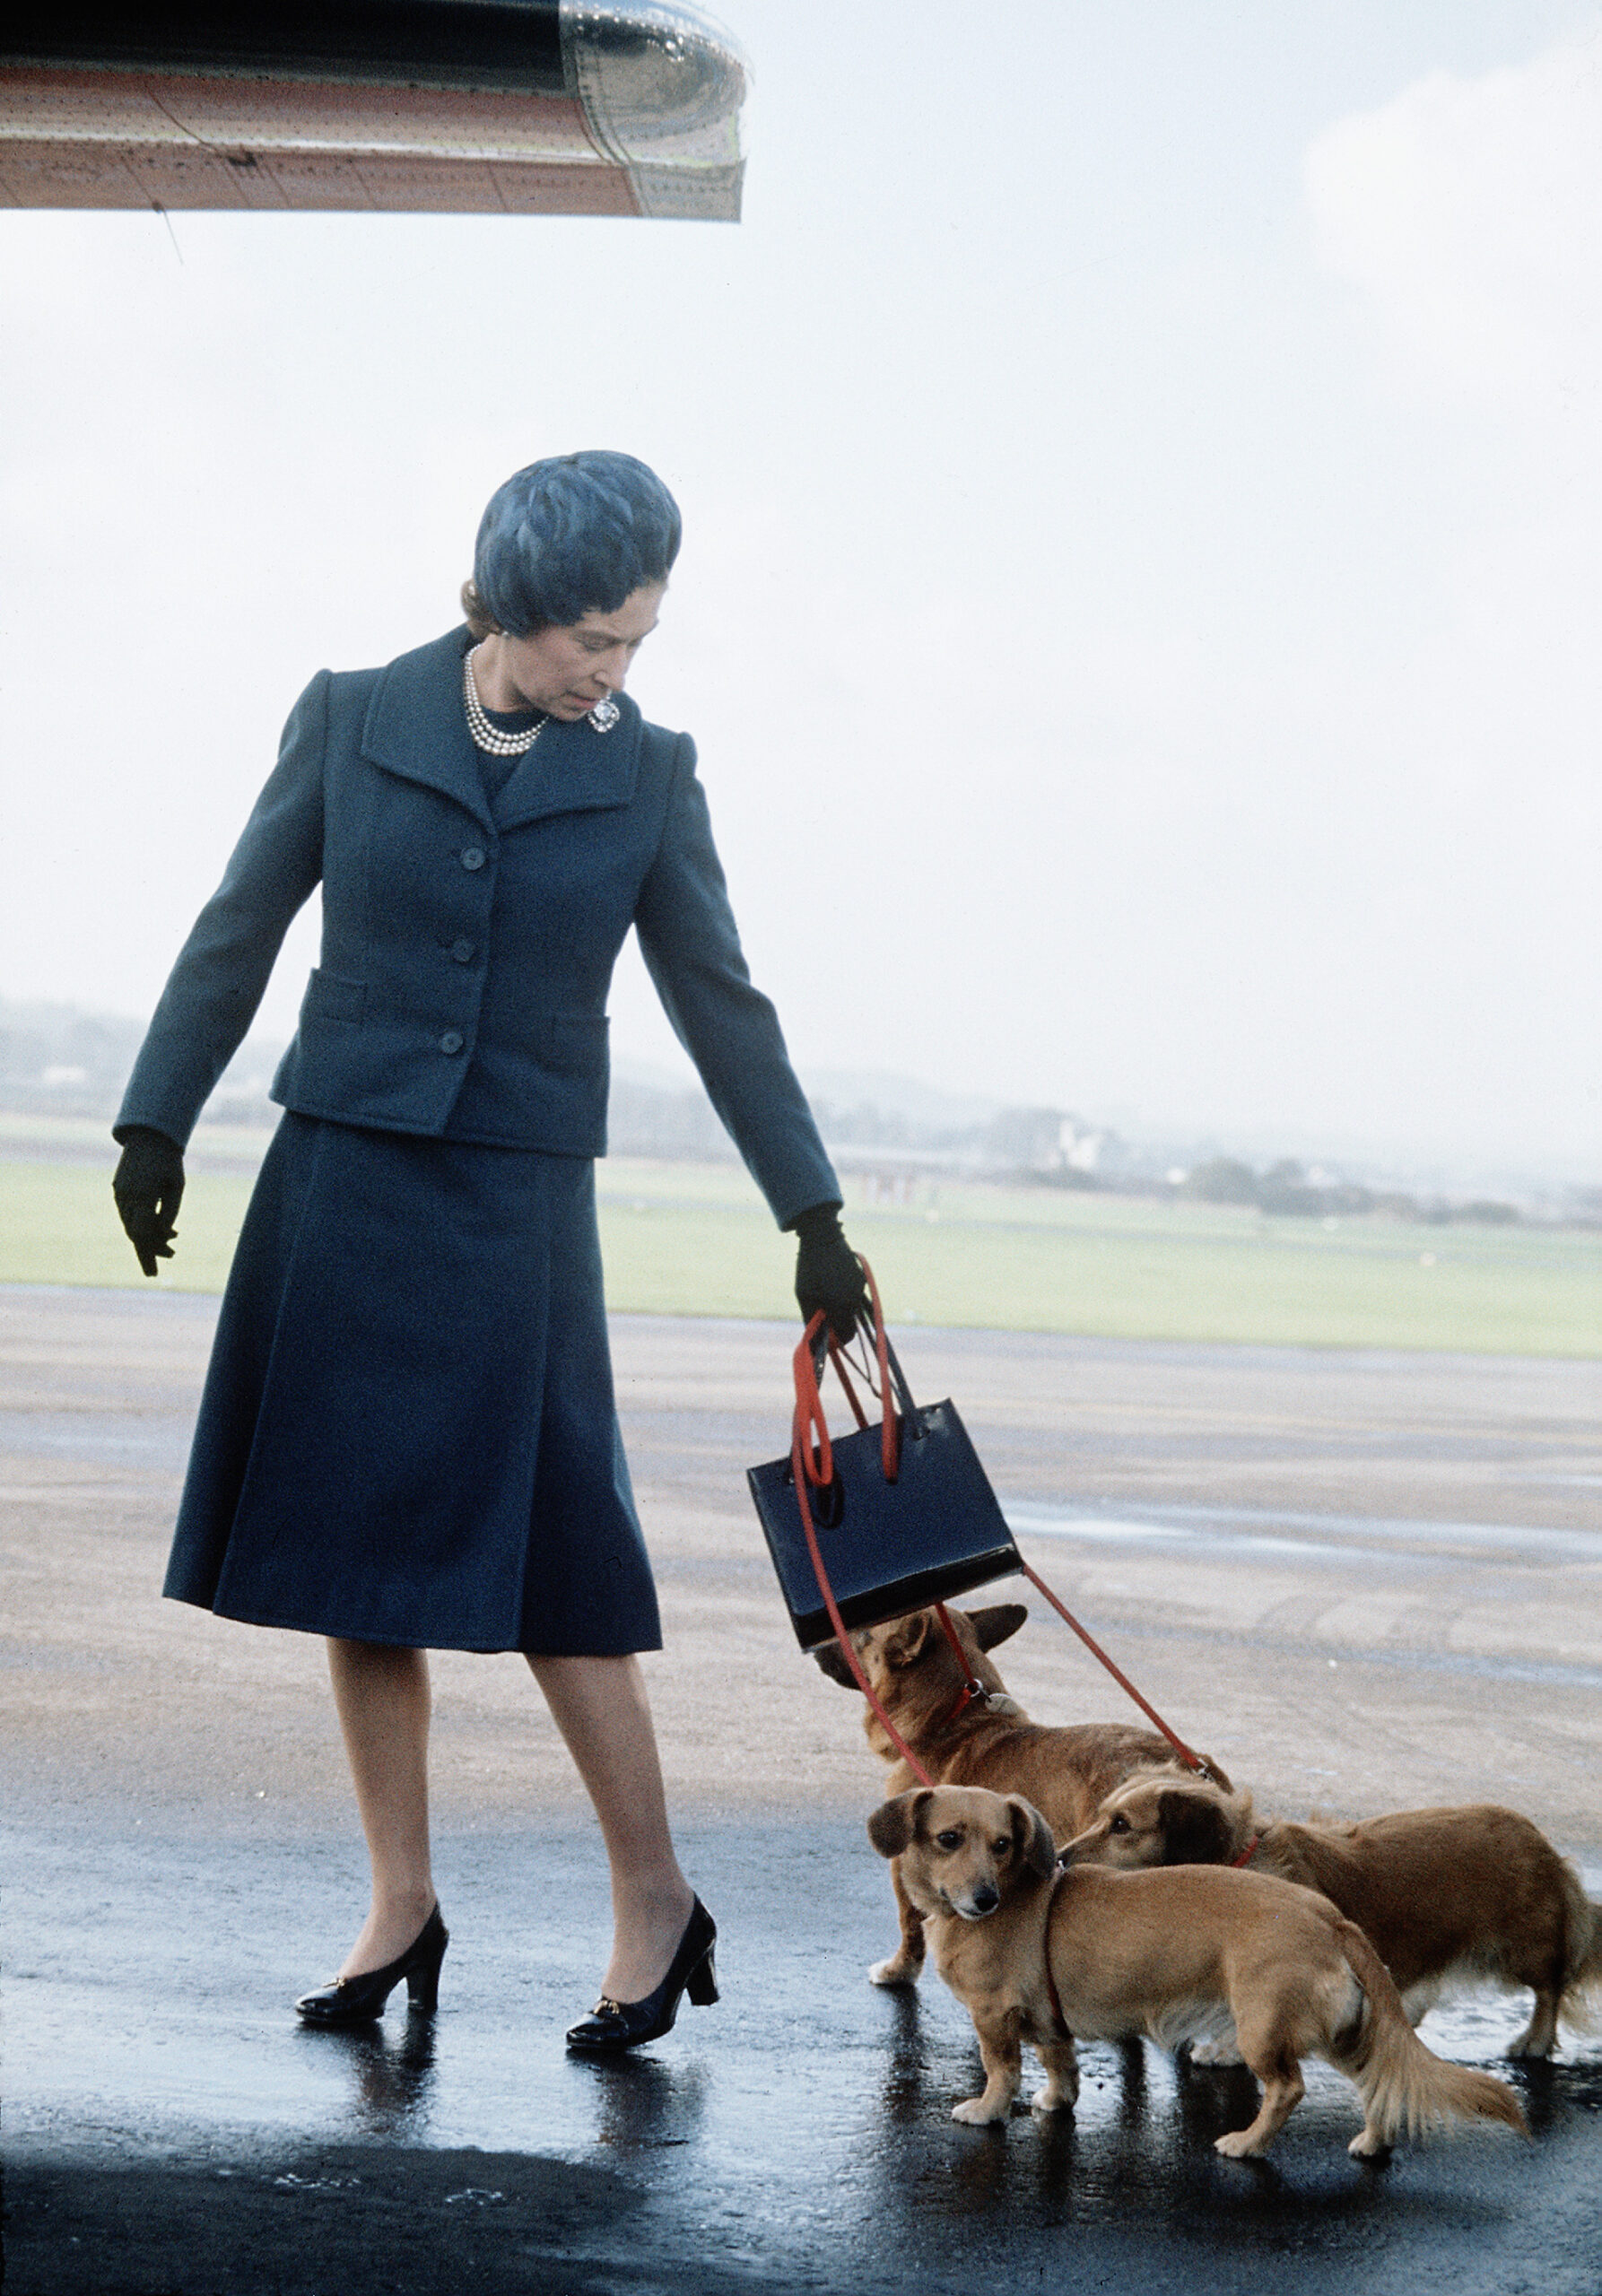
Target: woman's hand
pixel 828 1273
pixel 149 1186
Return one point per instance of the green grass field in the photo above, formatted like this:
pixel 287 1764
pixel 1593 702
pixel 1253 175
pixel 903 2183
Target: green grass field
pixel 695 1240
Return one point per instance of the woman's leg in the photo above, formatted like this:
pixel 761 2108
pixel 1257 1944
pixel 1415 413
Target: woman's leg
pixel 600 1707
pixel 382 1698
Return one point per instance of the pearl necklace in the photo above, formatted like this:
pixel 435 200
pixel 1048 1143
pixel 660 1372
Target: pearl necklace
pixel 486 736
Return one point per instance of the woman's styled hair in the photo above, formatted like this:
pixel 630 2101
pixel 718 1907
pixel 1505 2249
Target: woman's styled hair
pixel 571 535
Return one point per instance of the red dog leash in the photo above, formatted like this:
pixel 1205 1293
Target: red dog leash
pixel 811 1464
pixel 1191 1760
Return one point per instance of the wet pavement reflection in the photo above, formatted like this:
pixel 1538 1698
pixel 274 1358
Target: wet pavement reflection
pixel 1368 1578
pixel 390 2066
pixel 799 2133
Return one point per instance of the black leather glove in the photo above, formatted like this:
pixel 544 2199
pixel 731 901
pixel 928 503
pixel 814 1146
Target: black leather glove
pixel 828 1273
pixel 149 1186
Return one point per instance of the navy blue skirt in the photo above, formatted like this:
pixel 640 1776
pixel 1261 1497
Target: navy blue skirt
pixel 408 1433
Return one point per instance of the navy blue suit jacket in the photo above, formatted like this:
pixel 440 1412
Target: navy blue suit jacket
pixel 468 948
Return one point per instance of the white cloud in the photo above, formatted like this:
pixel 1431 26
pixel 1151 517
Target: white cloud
pixel 1470 211
pixel 1107 694
pixel 1467 214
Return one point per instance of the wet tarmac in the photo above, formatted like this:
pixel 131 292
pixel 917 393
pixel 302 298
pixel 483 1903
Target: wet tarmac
pixel 170 2116
pixel 1369 1582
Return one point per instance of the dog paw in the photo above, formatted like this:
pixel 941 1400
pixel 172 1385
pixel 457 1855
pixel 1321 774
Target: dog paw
pixel 1215 2052
pixel 1052 2100
pixel 974 2113
pixel 895 1971
pixel 1368 2145
pixel 1236 2144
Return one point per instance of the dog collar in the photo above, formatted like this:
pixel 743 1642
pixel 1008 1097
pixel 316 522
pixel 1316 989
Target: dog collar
pixel 973 1692
pixel 1249 1853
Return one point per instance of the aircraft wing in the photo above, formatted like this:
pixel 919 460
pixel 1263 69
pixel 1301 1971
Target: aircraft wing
pixel 496 106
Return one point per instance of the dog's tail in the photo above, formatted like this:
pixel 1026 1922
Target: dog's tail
pixel 1582 2000
pixel 1404 2085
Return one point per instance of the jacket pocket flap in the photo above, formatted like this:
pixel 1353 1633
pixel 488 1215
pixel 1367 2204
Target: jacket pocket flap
pixel 574 1044
pixel 330 998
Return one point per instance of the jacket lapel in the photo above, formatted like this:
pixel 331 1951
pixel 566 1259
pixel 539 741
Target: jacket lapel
pixel 573 769
pixel 415 727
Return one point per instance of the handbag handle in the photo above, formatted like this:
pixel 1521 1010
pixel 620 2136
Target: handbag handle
pixel 817 1466
pixel 810 1426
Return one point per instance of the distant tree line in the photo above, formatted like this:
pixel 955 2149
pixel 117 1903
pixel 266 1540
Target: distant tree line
pixel 57 1059
pixel 1285 1188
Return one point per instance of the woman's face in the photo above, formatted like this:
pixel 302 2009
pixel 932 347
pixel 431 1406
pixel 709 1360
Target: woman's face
pixel 568 670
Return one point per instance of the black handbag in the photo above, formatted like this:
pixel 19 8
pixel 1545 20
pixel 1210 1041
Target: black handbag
pixel 901 1515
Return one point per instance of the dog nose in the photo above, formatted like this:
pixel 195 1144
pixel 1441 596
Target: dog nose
pixel 985 1898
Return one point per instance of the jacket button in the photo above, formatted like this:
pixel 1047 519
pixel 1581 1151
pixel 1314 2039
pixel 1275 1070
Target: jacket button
pixel 452 1041
pixel 472 856
pixel 462 950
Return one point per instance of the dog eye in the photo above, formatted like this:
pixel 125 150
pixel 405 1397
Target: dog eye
pixel 1121 1825
pixel 951 1839
pixel 1002 1844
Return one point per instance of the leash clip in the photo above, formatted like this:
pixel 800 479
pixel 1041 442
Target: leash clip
pixel 972 1693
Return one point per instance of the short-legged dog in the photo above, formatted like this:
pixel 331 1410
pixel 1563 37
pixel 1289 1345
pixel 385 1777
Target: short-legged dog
pixel 981 1737
pixel 1445 1896
pixel 1038 1953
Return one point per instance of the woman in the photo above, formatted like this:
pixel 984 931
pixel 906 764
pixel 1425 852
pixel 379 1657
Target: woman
pixel 408 1439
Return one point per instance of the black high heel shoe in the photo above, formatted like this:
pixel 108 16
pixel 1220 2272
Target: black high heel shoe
pixel 350 2000
pixel 625 2025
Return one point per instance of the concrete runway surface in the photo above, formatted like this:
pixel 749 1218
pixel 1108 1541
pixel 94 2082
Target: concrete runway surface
pixel 1363 1581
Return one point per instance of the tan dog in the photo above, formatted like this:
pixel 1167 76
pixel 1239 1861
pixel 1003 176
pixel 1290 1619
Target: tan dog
pixel 1444 1895
pixel 1038 1953
pixel 986 1740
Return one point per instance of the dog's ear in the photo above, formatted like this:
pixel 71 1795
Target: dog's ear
pixel 997 1623
pixel 893 1824
pixel 906 1639
pixel 831 1661
pixel 1195 1830
pixel 1033 1841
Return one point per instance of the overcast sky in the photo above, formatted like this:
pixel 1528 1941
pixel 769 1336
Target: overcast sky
pixel 1139 611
